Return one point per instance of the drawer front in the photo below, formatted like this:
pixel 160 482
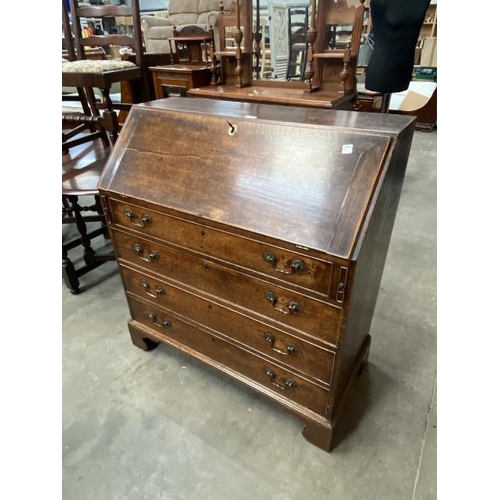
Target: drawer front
pixel 310 316
pixel 265 373
pixel 271 260
pixel 297 354
pixel 172 77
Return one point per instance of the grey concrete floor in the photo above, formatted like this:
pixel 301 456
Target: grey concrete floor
pixel 157 425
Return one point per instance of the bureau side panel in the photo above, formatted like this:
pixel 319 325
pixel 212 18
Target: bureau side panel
pixel 368 265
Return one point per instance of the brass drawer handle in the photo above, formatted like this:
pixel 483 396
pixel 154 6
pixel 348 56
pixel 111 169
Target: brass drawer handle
pixel 291 349
pixel 159 290
pixel 291 306
pixel 165 323
pixel 296 265
pixel 289 383
pixel 146 219
pixel 140 251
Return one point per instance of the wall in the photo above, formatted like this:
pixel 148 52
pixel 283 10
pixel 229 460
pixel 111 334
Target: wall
pixel 153 4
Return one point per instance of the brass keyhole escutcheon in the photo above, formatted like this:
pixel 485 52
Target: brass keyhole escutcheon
pixel 233 128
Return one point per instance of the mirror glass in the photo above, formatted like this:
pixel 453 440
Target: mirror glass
pixel 229 32
pixel 229 37
pixel 337 37
pixel 279 39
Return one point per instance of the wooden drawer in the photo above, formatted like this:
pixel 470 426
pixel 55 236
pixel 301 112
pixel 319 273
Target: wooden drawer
pixel 292 351
pixel 291 267
pixel 263 372
pixel 312 317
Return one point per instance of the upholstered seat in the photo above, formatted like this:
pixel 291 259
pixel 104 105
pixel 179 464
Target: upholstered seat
pixel 90 66
pixel 181 13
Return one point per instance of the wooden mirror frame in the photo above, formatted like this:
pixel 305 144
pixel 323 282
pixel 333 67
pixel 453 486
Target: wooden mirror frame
pixel 330 75
pixel 320 15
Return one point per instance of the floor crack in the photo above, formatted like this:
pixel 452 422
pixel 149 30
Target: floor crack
pixel 424 439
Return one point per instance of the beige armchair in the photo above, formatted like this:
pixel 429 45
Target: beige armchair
pixel 202 13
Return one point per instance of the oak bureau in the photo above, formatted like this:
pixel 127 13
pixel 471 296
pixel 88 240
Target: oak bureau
pixel 253 238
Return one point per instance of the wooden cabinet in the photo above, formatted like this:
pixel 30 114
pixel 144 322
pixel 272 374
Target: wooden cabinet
pixel 176 79
pixel 255 240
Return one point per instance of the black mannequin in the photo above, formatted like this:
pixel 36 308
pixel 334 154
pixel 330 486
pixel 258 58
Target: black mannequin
pixel 396 26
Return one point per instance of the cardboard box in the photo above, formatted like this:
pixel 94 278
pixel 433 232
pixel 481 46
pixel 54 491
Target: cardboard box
pixel 413 101
pixel 419 100
pixel 417 96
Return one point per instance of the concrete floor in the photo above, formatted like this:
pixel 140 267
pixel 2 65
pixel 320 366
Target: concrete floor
pixel 156 425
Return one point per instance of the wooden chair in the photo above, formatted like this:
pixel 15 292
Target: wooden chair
pixel 109 27
pixel 84 130
pixel 82 167
pixel 193 45
pixel 298 24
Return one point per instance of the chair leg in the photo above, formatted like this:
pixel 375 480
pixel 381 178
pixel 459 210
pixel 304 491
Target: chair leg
pixel 72 211
pixel 90 98
pixel 88 251
pixel 83 100
pixel 108 105
pixel 69 273
pixel 94 111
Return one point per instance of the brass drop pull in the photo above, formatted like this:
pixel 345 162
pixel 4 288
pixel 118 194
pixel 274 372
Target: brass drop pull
pixel 145 219
pixel 291 349
pixel 291 306
pixel 159 290
pixel 165 323
pixel 140 251
pixel 289 383
pixel 296 265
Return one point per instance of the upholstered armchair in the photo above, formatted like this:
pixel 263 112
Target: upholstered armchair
pixel 181 13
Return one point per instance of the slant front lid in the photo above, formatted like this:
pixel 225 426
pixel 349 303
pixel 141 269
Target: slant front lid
pixel 310 185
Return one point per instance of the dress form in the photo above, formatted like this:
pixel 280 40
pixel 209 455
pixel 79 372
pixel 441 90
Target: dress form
pixel 396 26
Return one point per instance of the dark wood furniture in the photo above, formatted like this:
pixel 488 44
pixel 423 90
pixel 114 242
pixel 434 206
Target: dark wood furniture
pixel 255 240
pixel 176 79
pixel 77 132
pixel 102 74
pixel 82 167
pixel 129 92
